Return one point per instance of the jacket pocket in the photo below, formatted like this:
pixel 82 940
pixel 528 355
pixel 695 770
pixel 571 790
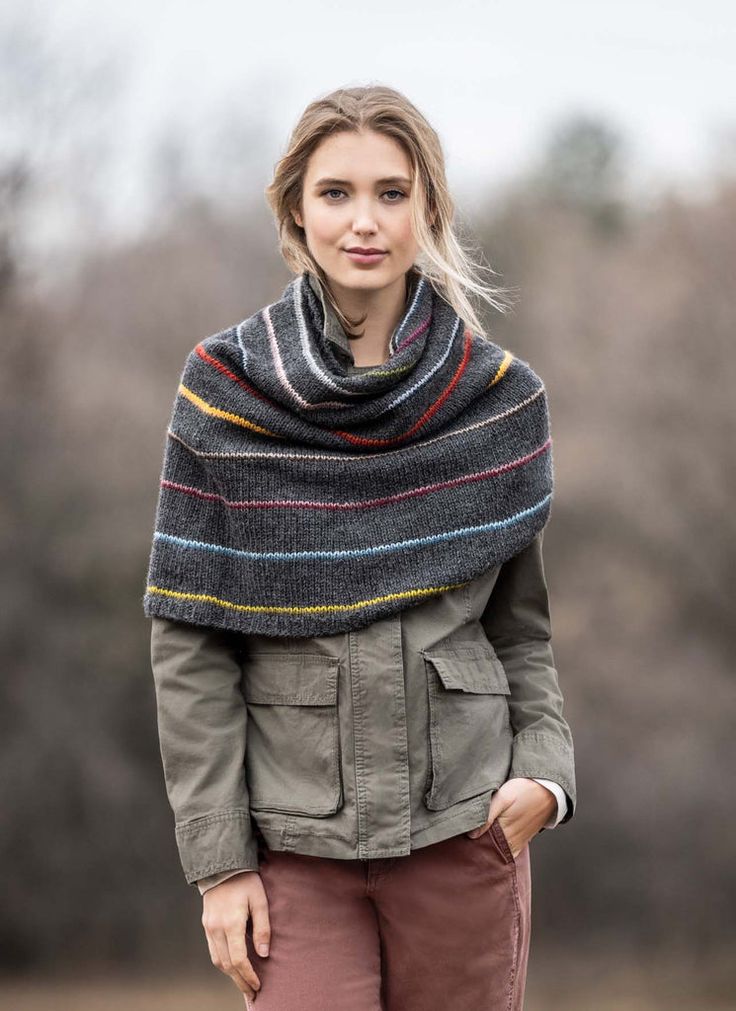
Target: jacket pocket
pixel 470 735
pixel 292 754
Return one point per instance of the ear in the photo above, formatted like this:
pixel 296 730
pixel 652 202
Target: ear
pixel 297 218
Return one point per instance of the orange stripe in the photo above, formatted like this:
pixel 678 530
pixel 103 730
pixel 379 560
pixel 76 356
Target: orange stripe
pixel 217 412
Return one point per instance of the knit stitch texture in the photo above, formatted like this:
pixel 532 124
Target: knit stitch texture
pixel 297 499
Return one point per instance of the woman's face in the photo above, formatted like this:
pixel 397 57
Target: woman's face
pixel 356 193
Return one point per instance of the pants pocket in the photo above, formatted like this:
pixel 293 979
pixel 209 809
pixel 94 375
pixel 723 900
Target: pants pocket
pixel 501 841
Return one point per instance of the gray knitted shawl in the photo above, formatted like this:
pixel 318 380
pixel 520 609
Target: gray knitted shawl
pixel 298 499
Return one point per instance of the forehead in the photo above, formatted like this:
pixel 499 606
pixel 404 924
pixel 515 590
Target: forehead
pixel 361 158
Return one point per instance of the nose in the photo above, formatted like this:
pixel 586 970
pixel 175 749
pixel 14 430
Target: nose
pixel 364 227
pixel 364 221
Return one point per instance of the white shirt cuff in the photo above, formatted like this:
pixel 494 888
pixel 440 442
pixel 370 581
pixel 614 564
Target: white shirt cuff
pixel 561 796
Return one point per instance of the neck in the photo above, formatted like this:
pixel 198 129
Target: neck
pixel 383 310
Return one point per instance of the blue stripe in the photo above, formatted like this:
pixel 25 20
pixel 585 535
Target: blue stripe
pixel 359 553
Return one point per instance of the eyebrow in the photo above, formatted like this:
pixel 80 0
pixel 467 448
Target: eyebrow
pixel 379 182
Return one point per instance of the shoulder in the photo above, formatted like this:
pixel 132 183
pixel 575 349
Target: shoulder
pixel 217 353
pixel 527 375
pixel 232 344
pixel 517 372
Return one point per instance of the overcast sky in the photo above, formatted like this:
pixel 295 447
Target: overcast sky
pixel 491 77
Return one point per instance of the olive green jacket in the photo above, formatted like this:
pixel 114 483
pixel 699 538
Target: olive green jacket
pixel 369 743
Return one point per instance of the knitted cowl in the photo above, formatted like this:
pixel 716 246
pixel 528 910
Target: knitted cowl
pixel 297 499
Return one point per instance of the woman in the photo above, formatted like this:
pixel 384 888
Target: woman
pixel 360 719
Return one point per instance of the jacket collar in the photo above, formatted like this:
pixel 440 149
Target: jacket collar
pixel 333 330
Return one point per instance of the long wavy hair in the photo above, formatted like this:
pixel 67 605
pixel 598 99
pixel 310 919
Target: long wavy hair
pixel 451 267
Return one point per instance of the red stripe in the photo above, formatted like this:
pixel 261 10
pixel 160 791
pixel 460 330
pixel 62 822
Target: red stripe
pixel 367 503
pixel 211 360
pixel 360 441
pixel 356 440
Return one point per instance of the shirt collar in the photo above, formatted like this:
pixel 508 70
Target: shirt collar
pixel 333 330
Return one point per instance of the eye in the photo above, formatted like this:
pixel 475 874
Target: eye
pixel 400 194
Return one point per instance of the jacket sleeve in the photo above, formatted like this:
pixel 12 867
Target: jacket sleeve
pixel 202 721
pixel 517 622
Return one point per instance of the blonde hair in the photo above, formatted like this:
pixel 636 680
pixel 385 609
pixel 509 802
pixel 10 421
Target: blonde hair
pixel 443 259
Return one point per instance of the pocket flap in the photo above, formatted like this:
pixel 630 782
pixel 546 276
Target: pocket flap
pixel 295 679
pixel 470 668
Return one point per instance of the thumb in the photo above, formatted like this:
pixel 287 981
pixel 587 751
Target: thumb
pixel 498 804
pixel 261 928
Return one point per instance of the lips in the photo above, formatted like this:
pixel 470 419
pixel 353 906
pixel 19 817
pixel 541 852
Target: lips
pixel 366 257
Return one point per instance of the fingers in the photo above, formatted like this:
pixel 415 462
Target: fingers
pixel 233 962
pixel 240 962
pixel 226 943
pixel 260 925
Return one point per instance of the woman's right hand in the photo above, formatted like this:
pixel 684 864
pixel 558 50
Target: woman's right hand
pixel 227 907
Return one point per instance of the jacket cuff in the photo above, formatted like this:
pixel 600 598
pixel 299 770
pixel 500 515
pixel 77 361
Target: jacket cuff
pixel 204 884
pixel 538 755
pixel 221 841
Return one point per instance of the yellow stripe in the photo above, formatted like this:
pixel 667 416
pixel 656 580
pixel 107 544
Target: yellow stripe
pixel 237 419
pixel 322 609
pixel 227 415
pixel 503 367
pixel 378 371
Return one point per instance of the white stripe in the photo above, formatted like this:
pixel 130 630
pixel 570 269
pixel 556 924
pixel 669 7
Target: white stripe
pixel 340 457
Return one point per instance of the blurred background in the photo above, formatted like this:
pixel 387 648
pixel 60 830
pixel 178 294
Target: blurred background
pixel 591 150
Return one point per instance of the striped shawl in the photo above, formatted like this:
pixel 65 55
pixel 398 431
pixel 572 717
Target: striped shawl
pixel 297 499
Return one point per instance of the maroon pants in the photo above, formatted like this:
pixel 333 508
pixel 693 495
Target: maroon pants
pixel 445 927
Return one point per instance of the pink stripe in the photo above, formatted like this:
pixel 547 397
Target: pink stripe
pixel 278 363
pixel 187 489
pixel 367 503
pixel 417 333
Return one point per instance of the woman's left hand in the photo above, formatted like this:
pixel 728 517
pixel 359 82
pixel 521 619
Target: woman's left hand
pixel 522 807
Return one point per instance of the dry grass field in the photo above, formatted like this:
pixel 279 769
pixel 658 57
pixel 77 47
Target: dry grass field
pixel 553 985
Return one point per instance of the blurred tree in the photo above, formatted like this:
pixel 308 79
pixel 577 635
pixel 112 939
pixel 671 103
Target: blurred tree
pixel 57 129
pixel 581 170
pixel 634 339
